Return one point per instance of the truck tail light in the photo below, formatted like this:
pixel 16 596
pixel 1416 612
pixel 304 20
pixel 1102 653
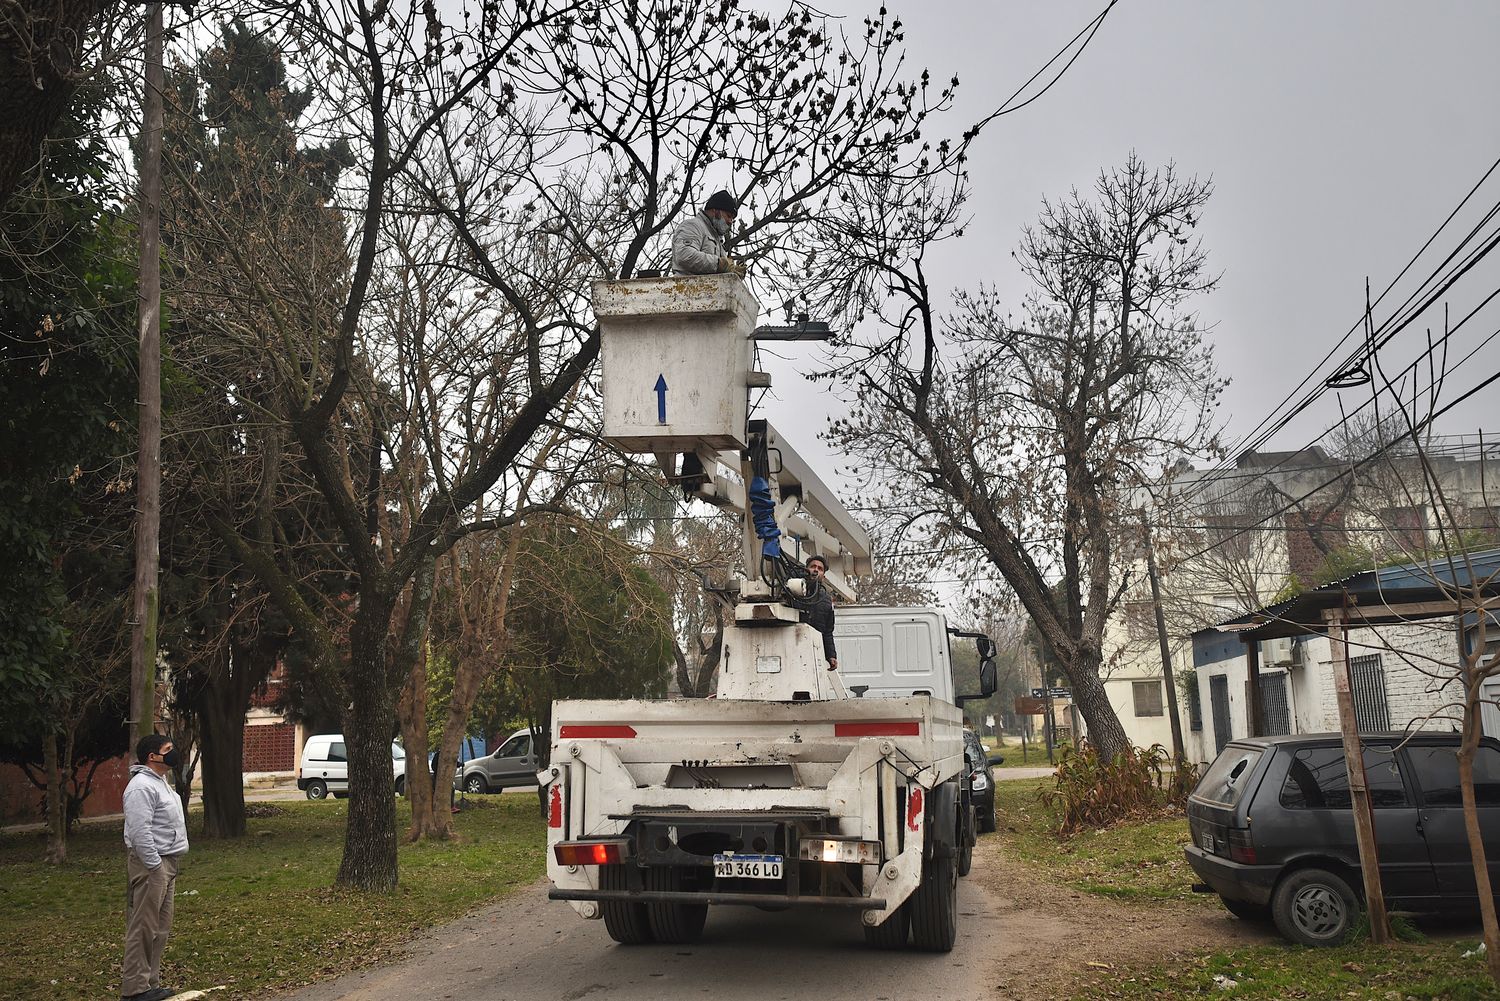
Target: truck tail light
pixel 1241 848
pixel 905 728
pixel 610 852
pixel 839 850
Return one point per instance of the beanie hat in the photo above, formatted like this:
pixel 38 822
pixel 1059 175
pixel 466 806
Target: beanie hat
pixel 722 200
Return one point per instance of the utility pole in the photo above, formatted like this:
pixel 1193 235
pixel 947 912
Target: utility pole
pixel 1179 755
pixel 148 463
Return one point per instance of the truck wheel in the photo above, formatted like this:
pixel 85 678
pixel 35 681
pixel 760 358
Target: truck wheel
pixel 934 906
pixel 317 789
pixel 892 934
pixel 673 924
pixel 625 921
pixel 1314 907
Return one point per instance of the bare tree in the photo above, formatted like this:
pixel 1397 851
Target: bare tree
pixel 1024 439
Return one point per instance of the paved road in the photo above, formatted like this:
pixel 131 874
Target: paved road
pixel 1012 774
pixel 530 949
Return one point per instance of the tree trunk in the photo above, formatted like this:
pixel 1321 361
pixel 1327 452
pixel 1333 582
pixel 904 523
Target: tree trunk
pixel 1092 699
pixel 420 791
pixel 1466 753
pixel 57 819
pixel 369 861
pixel 221 719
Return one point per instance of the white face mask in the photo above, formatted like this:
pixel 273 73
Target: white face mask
pixel 720 226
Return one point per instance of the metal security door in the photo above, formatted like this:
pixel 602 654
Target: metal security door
pixel 1275 711
pixel 1367 685
pixel 1218 697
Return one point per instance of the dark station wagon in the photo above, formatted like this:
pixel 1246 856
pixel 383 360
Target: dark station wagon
pixel 1273 834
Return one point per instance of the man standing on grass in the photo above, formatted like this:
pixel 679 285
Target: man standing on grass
pixel 155 841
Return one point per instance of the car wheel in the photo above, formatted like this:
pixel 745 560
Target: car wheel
pixel 1246 911
pixel 317 789
pixel 1314 907
pixel 987 818
pixel 401 786
pixel 476 784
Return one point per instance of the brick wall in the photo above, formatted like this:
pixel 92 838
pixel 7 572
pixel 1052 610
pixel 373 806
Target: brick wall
pixel 1415 659
pixel 21 802
pixel 270 748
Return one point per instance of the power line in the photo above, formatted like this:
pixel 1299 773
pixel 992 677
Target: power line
pixel 1090 29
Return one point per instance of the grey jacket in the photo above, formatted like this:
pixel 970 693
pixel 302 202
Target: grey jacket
pixel 696 248
pixel 154 825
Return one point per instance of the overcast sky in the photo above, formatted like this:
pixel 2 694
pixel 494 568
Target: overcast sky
pixel 1338 136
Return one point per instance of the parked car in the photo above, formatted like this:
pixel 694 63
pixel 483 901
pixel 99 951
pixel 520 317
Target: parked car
pixel 324 769
pixel 1297 863
pixel 512 764
pixel 981 781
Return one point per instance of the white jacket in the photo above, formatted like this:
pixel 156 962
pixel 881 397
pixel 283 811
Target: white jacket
pixel 696 248
pixel 154 825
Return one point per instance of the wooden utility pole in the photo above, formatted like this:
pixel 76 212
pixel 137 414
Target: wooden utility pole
pixel 1179 754
pixel 148 462
pixel 1256 713
pixel 1359 789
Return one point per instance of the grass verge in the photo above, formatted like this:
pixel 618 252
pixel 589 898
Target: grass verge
pixel 1035 752
pixel 1135 861
pixel 254 914
pixel 1142 863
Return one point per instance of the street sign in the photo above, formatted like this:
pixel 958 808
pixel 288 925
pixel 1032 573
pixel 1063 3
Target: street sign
pixel 1039 693
pixel 1060 693
pixel 989 721
pixel 1030 705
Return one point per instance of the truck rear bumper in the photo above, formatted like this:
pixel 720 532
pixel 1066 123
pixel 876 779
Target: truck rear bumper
pixel 688 897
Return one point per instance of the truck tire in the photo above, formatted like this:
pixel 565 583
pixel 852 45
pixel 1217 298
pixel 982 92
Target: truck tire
pixel 934 906
pixel 624 920
pixel 673 924
pixel 892 934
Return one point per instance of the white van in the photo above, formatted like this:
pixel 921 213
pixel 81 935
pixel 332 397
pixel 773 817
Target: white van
pixel 325 766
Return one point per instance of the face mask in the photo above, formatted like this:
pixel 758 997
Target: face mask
pixel 171 759
pixel 720 226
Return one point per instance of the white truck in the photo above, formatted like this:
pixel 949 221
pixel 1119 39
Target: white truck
pixel 796 784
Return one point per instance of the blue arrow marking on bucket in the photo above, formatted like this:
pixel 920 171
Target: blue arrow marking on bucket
pixel 661 399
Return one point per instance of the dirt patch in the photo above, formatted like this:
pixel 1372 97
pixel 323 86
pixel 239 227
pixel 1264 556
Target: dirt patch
pixel 1055 941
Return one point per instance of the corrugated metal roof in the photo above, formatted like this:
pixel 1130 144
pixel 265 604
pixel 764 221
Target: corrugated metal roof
pixel 1378 594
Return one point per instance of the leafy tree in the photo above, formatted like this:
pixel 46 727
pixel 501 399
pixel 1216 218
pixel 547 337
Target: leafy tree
pixel 66 338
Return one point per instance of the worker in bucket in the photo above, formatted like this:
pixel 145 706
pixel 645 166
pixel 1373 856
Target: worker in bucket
pixel 698 242
pixel 817 608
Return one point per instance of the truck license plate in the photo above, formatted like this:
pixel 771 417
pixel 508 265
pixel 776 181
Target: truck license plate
pixel 748 866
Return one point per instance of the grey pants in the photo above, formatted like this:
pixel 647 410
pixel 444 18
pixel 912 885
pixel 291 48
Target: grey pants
pixel 148 921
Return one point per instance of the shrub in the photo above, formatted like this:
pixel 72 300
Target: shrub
pixel 1094 793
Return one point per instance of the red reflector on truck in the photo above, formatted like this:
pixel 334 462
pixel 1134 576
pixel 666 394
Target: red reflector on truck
pixel 555 809
pixel 596 730
pixel 883 729
pixel 590 853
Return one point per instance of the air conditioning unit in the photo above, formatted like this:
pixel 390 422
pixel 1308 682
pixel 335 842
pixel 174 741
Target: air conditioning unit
pixel 1277 651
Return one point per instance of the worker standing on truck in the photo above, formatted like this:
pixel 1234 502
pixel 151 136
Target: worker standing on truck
pixel 817 608
pixel 698 242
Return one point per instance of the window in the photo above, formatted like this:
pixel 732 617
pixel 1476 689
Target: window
pixel 1224 782
pixel 516 747
pixel 337 752
pixel 1437 773
pixel 1318 780
pixel 1147 697
pixel 1372 713
pixel 1195 705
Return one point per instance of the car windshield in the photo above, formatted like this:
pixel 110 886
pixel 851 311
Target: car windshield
pixel 1224 782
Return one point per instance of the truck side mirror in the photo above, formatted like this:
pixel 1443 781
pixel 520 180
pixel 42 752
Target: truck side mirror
pixel 985 646
pixel 987 679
